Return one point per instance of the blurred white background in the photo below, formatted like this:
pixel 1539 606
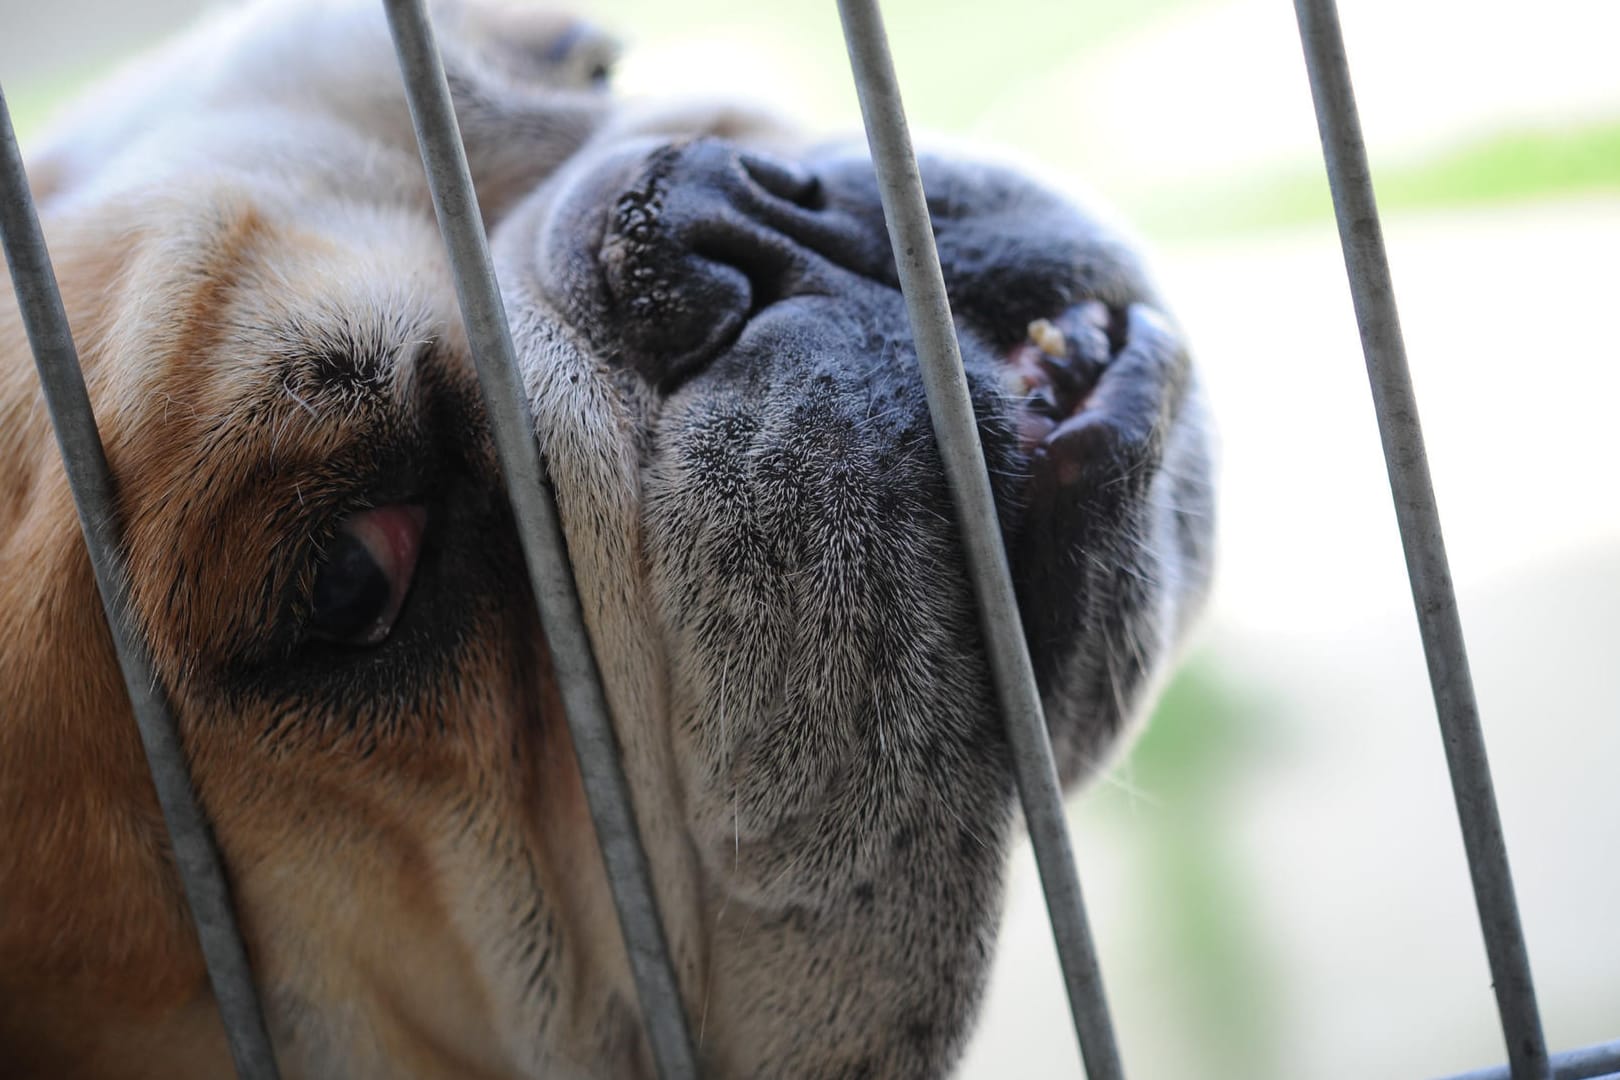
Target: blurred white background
pixel 1276 878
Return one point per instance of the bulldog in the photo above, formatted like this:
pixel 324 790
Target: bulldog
pixel 325 566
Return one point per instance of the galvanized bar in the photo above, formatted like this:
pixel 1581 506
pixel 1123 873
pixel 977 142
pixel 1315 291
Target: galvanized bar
pixel 1361 237
pixel 195 855
pixel 544 547
pixel 1599 1062
pixel 957 433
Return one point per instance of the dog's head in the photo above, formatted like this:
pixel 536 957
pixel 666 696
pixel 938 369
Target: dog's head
pixel 721 374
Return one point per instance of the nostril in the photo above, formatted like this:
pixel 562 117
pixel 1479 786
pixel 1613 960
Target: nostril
pixel 765 263
pixel 788 182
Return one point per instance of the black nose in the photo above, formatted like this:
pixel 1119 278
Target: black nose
pixel 705 235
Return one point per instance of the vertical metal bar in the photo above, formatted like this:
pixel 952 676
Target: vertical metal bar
pixel 196 857
pixel 1362 238
pixel 957 433
pixel 544 547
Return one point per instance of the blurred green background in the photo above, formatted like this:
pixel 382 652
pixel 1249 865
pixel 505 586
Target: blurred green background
pixel 1276 878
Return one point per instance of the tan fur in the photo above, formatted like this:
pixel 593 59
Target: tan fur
pixel 185 291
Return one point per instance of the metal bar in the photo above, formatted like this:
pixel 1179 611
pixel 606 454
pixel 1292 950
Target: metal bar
pixel 957 433
pixel 195 855
pixel 544 547
pixel 1361 237
pixel 1600 1062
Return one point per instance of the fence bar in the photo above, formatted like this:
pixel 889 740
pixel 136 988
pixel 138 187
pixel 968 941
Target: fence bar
pixel 1600 1062
pixel 544 548
pixel 957 433
pixel 1362 239
pixel 202 874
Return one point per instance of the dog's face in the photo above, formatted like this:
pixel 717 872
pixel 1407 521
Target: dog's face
pixel 721 374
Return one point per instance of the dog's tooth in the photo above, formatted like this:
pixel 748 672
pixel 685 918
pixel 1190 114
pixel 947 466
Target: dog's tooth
pixel 1048 338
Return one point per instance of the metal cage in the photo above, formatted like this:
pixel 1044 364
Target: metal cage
pixel 546 557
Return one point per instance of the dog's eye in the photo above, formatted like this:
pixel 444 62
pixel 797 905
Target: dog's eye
pixel 366 572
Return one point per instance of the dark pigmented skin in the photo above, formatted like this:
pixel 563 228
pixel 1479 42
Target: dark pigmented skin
pixel 846 778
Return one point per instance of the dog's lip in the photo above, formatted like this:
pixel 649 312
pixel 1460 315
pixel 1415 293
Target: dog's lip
pixel 1053 371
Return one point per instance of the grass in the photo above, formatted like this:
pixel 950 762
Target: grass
pixel 1501 168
